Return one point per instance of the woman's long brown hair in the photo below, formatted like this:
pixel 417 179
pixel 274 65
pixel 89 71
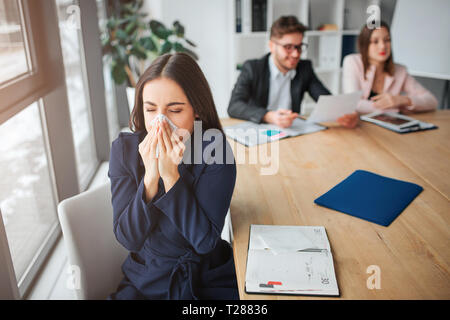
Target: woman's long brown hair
pixel 182 69
pixel 363 47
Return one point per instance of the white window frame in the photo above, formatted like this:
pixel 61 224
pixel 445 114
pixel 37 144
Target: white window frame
pixel 49 90
pixel 45 84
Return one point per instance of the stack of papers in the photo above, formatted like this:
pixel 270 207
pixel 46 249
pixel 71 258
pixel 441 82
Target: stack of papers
pixel 251 134
pixel 290 260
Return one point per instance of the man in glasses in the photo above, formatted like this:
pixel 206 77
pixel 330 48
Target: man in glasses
pixel 271 89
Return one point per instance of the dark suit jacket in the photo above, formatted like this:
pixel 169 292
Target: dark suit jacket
pixel 251 93
pixel 176 251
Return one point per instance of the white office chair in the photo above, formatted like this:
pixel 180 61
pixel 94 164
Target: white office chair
pixel 87 225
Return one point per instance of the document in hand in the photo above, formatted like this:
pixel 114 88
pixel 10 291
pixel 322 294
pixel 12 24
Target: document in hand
pixel 290 260
pixel 251 134
pixel 330 108
pixel 371 197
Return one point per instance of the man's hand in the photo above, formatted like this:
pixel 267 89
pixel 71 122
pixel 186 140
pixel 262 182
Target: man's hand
pixel 282 118
pixel 349 120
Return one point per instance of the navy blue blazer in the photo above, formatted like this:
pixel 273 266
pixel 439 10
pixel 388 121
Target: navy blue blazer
pixel 176 250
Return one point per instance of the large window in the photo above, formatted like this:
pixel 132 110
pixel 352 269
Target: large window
pixel 77 92
pixel 49 107
pixel 113 123
pixel 14 60
pixel 27 201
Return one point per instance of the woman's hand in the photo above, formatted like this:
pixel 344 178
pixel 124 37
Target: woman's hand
pixel 349 120
pixel 389 101
pixel 171 150
pixel 147 150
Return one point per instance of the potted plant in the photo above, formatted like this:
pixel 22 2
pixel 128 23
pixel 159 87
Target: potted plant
pixel 131 44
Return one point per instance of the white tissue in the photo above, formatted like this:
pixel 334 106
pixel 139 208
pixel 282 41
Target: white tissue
pixel 160 117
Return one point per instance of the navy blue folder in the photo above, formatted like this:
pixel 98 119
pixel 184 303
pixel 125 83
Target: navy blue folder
pixel 370 196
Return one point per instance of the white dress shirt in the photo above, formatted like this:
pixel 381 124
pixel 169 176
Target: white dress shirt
pixel 280 87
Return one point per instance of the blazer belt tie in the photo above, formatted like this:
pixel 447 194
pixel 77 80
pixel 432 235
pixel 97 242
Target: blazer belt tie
pixel 186 267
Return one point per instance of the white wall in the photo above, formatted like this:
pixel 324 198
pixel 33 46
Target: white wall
pixel 421 37
pixel 208 25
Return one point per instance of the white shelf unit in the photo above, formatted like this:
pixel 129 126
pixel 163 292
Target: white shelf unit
pixel 325 48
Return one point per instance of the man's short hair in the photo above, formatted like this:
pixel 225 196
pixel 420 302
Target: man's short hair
pixel 285 25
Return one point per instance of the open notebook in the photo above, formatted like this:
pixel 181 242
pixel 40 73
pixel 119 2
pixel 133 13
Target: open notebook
pixel 290 260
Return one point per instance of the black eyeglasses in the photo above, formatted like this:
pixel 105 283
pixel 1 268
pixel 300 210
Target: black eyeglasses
pixel 290 47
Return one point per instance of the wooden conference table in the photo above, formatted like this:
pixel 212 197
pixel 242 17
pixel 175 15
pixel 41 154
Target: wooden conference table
pixel 413 253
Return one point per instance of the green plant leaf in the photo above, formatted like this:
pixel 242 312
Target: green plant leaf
pixel 122 21
pixel 131 27
pixel 105 40
pixel 148 44
pixel 128 8
pixel 120 52
pixel 165 48
pixel 179 29
pixel 121 35
pixel 138 51
pixel 159 29
pixel 190 43
pixel 178 47
pixel 118 72
pixel 111 23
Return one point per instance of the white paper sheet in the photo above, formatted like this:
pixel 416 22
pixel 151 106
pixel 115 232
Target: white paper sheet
pixel 330 108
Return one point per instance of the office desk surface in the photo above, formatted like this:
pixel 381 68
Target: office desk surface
pixel 412 254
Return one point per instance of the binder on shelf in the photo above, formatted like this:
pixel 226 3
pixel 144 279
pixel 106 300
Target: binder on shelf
pixel 259 15
pixel 238 16
pixel 349 44
pixel 246 12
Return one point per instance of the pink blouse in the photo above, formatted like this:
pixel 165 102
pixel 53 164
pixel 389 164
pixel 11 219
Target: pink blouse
pixel 401 82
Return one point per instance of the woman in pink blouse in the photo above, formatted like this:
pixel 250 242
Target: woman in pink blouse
pixel 385 85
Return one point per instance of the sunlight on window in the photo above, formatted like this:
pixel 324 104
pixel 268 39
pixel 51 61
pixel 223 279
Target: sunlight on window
pixel 13 57
pixel 26 200
pixel 76 90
